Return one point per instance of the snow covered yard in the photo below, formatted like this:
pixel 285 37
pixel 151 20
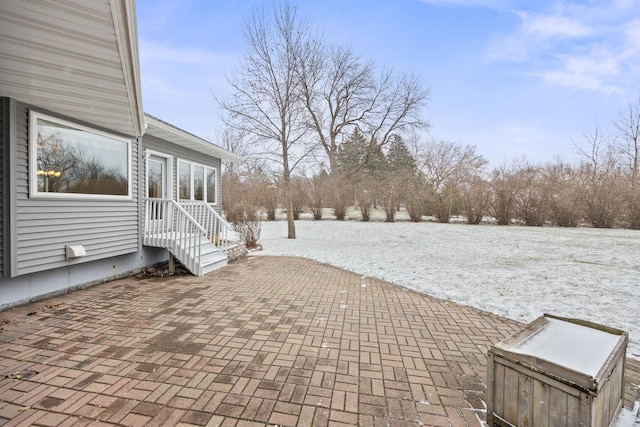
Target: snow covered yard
pixel 518 272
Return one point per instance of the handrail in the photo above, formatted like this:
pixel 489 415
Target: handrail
pixel 169 225
pixel 216 227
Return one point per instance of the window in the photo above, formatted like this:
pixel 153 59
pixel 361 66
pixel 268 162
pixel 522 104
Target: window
pixel 212 186
pixel 69 160
pixel 184 180
pixel 197 182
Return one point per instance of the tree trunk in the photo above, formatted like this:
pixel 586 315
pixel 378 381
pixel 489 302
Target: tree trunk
pixel 291 225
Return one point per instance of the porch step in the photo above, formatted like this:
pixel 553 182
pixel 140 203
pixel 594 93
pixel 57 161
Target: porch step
pixel 213 262
pixel 184 229
pixel 211 258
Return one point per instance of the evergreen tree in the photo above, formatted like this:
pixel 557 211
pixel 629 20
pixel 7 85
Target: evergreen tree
pixel 352 152
pixel 399 157
pixel 357 154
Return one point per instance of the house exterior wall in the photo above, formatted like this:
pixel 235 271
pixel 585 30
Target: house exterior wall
pixel 181 153
pixel 3 140
pixel 34 231
pixel 44 226
pixel 36 286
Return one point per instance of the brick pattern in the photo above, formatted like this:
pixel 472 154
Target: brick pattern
pixel 264 341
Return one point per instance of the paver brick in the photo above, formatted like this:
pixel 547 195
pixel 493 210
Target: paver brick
pixel 263 341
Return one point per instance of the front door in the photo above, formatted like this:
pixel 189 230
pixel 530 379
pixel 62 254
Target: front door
pixel 157 177
pixel 157 188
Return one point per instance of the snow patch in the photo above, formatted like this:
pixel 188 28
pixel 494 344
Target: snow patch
pixel 516 272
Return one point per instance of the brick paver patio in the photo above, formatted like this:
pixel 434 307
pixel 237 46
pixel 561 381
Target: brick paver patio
pixel 264 341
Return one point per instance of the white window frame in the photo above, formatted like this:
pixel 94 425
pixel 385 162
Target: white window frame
pixel 33 161
pixel 192 186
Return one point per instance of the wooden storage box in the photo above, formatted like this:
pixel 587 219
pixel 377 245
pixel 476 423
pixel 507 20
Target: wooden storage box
pixel 557 372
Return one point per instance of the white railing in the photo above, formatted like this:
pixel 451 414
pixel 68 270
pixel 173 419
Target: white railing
pixel 169 225
pixel 218 230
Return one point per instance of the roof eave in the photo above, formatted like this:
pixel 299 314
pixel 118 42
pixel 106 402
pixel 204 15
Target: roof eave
pixel 195 143
pixel 124 16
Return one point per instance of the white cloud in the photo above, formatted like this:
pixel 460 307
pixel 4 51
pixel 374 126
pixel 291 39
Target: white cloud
pixel 552 26
pixel 467 3
pixel 169 53
pixel 632 44
pixel 165 65
pixel 585 47
pixel 577 81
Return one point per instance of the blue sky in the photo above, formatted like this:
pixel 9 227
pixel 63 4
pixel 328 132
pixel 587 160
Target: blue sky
pixel 513 78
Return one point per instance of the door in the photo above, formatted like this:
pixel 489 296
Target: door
pixel 157 188
pixel 157 177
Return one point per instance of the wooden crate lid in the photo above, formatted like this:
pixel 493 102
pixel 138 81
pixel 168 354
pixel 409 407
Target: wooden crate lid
pixel 570 350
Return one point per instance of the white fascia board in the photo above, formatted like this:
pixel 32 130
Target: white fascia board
pixel 124 21
pixel 178 136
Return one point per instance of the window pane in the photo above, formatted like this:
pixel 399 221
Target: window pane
pixel 184 180
pixel 156 179
pixel 211 186
pixel 198 183
pixel 71 160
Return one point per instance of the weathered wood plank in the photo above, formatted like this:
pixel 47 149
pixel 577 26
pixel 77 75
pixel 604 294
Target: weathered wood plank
pixel 525 402
pixel 541 404
pixel 498 399
pixel 511 395
pixel 557 408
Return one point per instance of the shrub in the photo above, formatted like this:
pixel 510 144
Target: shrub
pixel 245 221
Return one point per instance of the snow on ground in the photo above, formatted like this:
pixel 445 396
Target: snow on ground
pixel 516 271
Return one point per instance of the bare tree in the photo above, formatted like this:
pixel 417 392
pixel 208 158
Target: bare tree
pixel 365 193
pixel 600 180
pixel 336 87
pixel 342 92
pixel 300 196
pixel 241 206
pixel 601 197
pixel 389 197
pixel 475 199
pixel 268 198
pixel 316 195
pixel 446 165
pixel 416 197
pixel 566 209
pixel 532 199
pixel 395 107
pixel 340 193
pixel 443 161
pixel 503 189
pixel 265 103
pixel 628 126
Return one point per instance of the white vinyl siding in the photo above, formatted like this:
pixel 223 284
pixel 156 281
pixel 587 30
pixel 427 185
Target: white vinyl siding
pixel 45 225
pixel 3 141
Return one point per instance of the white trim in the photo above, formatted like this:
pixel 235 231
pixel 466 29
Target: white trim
pixel 124 20
pixel 169 133
pixel 215 185
pixel 192 188
pixel 33 161
pixel 169 158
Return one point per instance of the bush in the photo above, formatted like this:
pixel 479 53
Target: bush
pixel 245 221
pixel 475 200
pixel 340 193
